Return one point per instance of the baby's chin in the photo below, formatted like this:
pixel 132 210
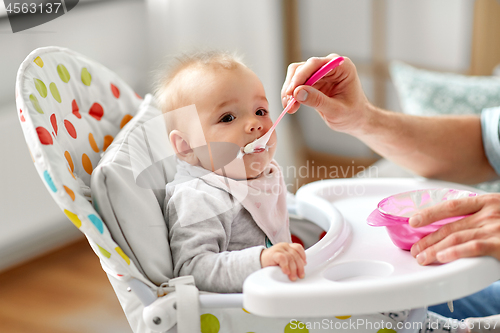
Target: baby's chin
pixel 255 168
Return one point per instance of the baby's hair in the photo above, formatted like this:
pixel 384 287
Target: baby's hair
pixel 170 99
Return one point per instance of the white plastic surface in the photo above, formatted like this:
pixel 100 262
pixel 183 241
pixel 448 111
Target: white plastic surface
pixel 355 268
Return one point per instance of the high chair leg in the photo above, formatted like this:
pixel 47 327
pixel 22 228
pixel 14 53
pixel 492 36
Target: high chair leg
pixel 188 309
pixel 414 321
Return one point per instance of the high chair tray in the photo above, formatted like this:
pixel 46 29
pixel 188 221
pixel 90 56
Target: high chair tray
pixel 355 268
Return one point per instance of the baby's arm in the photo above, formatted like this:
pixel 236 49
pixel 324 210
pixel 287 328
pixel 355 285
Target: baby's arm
pixel 290 257
pixel 199 248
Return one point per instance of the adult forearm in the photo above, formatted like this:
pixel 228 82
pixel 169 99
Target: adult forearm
pixel 448 148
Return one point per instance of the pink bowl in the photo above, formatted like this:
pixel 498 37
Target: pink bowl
pixel 395 211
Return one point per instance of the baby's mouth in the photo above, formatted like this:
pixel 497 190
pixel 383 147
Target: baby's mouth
pixel 258 150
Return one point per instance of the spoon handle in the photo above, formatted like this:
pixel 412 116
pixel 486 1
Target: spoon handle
pixel 288 107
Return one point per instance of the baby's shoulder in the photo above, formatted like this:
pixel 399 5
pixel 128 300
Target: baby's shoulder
pixel 197 190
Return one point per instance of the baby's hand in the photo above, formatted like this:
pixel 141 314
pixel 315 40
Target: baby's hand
pixel 290 257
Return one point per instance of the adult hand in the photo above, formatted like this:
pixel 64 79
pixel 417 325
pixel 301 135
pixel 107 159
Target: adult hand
pixel 475 235
pixel 338 96
pixel 290 257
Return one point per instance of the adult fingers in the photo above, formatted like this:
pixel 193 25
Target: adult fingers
pixel 468 222
pixel 289 75
pixel 294 107
pixel 473 248
pixel 449 208
pixel 429 255
pixel 304 72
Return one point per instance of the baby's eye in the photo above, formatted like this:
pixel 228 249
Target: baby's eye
pixel 227 118
pixel 261 112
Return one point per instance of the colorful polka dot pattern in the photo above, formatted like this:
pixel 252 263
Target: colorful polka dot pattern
pixel 87 164
pixel 39 62
pixel 386 330
pixel 96 111
pixel 115 90
pixel 55 92
pixel 209 323
pixel 40 86
pixel 123 255
pixel 63 73
pixel 70 192
pixel 125 120
pixel 73 218
pixel 104 252
pixel 107 141
pixel 44 136
pixel 93 144
pixel 296 327
pixel 97 222
pixel 86 77
pixel 342 317
pixel 49 181
pixel 75 109
pixel 36 105
pixel 70 128
pixel 70 161
pixel 55 103
pixel 53 121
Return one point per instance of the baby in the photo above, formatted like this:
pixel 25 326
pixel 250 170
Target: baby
pixel 224 222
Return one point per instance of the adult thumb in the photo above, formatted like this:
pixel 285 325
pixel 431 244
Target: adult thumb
pixel 312 97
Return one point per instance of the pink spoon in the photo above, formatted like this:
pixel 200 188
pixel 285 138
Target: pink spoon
pixel 260 143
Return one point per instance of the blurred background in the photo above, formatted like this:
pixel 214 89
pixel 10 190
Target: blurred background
pixel 133 38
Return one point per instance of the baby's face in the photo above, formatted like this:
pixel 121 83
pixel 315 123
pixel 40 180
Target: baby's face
pixel 232 107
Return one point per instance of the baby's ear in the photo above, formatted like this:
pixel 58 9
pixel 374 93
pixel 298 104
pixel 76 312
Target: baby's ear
pixel 182 147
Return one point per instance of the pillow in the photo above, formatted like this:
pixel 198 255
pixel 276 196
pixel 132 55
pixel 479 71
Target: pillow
pixel 128 188
pixel 426 93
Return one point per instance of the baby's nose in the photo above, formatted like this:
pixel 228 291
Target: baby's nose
pixel 254 126
pixel 257 127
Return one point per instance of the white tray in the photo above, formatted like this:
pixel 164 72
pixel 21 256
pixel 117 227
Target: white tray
pixel 355 268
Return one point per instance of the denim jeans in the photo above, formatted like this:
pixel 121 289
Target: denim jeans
pixel 481 304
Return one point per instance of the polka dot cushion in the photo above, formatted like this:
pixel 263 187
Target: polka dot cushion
pixel 70 109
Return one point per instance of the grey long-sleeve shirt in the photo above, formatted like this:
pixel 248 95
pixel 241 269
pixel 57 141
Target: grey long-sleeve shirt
pixel 212 236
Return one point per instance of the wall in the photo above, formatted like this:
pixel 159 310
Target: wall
pixel 110 32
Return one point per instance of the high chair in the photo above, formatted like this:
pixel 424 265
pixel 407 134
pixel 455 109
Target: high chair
pixel 102 153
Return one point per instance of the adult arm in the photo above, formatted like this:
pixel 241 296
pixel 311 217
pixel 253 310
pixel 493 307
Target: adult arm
pixel 448 148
